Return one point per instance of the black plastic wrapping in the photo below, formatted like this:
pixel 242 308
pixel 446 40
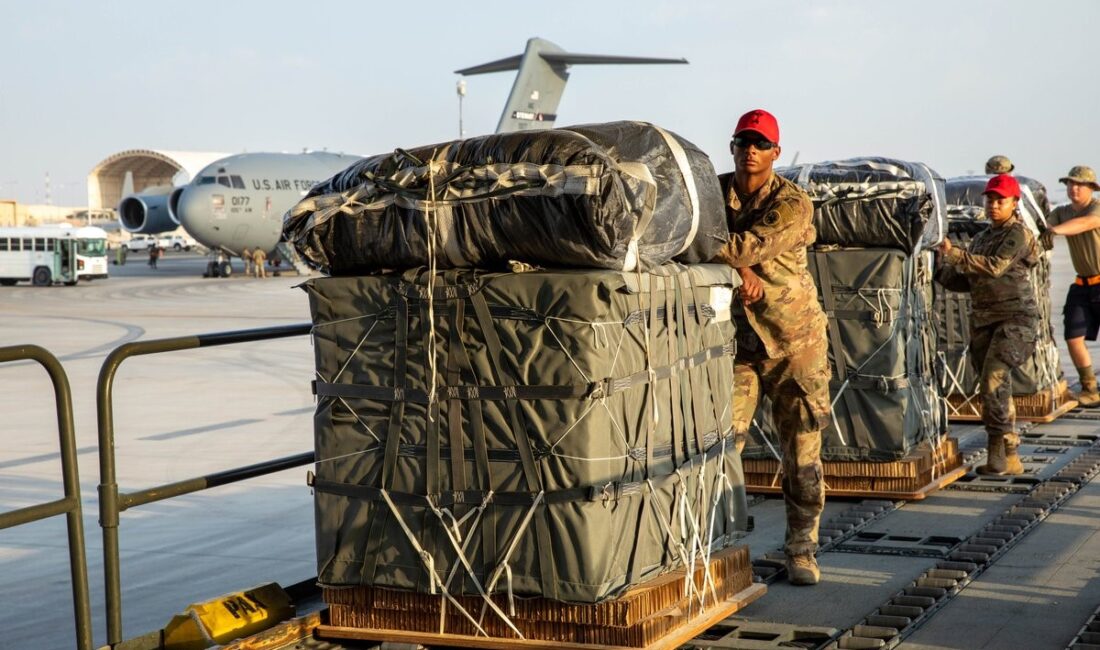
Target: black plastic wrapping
pixel 622 195
pixel 874 202
pixel 966 202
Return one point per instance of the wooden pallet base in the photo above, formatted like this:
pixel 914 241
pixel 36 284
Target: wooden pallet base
pixel 1038 408
pixel 1064 408
pixel 636 614
pixel 689 629
pixel 938 483
pixel 914 477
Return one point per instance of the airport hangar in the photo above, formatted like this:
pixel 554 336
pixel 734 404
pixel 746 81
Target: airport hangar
pixel 146 168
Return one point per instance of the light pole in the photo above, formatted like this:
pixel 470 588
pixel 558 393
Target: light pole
pixel 460 88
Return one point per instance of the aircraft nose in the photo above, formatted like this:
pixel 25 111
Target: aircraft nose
pixel 192 208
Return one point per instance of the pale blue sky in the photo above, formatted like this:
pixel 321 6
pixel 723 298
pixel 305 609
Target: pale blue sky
pixel 946 83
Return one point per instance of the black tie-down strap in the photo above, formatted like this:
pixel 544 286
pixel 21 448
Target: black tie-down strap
pixel 884 385
pixel 593 390
pixel 611 492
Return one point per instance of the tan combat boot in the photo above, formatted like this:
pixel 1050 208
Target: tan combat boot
pixel 1089 397
pixel 802 569
pixel 999 460
pixel 995 461
pixel 1013 466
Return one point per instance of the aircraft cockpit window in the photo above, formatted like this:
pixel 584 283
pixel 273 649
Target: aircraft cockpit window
pixel 224 180
pixel 238 182
pixel 206 180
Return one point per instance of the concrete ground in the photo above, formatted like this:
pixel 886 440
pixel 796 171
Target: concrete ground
pixel 177 416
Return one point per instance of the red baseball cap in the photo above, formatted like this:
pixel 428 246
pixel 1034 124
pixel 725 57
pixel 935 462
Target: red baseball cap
pixel 1004 185
pixel 761 122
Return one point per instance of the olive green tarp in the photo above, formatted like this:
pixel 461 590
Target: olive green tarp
pixel 563 434
pixel 885 398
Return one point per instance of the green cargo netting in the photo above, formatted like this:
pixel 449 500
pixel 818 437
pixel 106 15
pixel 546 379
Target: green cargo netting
pixel 881 351
pixel 563 434
pixel 1040 373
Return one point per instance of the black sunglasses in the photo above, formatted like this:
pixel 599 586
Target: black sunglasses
pixel 746 141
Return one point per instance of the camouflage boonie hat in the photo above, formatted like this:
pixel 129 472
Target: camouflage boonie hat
pixel 1083 175
pixel 999 165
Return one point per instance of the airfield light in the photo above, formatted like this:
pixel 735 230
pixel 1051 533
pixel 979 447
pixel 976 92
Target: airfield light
pixel 460 88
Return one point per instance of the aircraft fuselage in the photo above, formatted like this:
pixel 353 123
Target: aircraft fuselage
pixel 238 202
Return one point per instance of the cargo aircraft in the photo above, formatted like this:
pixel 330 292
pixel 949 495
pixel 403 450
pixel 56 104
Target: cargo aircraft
pixel 238 202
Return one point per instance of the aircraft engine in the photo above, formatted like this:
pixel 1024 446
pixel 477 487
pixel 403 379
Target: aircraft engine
pixel 173 204
pixel 146 212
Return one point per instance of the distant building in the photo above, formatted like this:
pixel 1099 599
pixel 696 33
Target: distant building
pixel 13 213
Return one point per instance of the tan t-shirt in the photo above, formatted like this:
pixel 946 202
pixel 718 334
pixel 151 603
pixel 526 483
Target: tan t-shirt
pixel 1084 249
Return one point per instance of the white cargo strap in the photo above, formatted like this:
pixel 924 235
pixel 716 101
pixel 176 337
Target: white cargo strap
pixel 429 564
pixel 804 174
pixel 460 552
pixel 938 204
pixel 642 173
pixel 680 156
pixel 1033 214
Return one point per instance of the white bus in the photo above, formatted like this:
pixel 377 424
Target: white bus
pixel 50 255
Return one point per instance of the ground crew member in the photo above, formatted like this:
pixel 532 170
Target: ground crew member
pixel 246 255
pixel 1079 222
pixel 781 344
pixel 999 165
pixel 258 258
pixel 996 270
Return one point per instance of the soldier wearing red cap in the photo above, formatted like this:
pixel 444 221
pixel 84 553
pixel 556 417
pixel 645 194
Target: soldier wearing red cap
pixel 781 344
pixel 995 269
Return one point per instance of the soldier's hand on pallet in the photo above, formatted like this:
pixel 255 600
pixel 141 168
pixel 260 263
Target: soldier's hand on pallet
pixel 752 289
pixel 1046 239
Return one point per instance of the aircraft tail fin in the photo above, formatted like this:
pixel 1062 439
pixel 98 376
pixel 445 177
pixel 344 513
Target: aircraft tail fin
pixel 543 72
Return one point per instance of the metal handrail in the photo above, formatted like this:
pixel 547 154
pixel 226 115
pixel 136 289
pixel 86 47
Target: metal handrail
pixel 70 504
pixel 112 502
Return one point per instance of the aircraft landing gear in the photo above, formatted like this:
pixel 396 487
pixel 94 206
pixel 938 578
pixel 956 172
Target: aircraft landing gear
pixel 218 266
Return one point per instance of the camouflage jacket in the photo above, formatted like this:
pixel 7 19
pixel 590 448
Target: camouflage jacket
pixel 997 268
pixel 769 233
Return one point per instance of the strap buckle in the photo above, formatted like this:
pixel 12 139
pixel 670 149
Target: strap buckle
pixel 603 493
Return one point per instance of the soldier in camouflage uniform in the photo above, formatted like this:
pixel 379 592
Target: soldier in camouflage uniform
pixel 781 344
pixel 1003 326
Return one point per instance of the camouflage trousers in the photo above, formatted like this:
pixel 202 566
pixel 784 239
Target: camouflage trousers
pixel 798 386
pixel 994 351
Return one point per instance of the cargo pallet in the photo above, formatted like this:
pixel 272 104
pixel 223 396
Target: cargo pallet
pixel 656 614
pixel 687 630
pixel 924 471
pixel 1039 408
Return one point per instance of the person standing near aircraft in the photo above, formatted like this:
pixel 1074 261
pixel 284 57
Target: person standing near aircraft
pixel 246 255
pixel 258 259
pixel 781 341
pixel 1079 223
pixel 996 270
